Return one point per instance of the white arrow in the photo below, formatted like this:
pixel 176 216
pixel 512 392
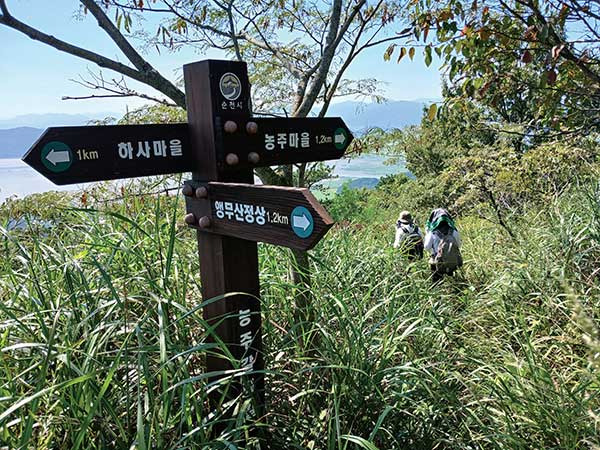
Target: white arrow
pixel 340 138
pixel 57 157
pixel 301 222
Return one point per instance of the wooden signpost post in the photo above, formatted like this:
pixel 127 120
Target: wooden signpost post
pixel 220 145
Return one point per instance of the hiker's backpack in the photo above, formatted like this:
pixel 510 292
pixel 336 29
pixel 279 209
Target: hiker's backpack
pixel 447 258
pixel 412 242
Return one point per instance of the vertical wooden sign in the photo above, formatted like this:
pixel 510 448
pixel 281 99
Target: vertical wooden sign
pixel 217 91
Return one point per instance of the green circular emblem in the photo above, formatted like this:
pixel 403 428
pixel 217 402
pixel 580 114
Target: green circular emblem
pixel 340 138
pixel 57 156
pixel 303 223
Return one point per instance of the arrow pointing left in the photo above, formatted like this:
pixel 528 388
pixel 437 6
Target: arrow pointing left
pixel 56 157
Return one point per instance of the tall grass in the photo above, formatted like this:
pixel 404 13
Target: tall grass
pixel 102 338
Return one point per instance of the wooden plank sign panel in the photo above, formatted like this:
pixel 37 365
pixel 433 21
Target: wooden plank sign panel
pixel 286 216
pixel 260 142
pixel 68 155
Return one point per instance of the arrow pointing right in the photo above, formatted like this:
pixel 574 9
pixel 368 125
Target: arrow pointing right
pixel 57 157
pixel 340 139
pixel 298 140
pixel 301 222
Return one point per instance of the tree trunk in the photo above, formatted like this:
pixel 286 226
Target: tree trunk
pixel 301 273
pixel 300 270
pixel 304 312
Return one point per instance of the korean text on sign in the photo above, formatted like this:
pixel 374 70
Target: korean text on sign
pixel 149 149
pixel 240 212
pixel 282 141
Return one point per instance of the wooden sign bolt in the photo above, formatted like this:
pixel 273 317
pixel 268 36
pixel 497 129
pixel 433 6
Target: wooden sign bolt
pixel 190 219
pixel 253 157
pixel 232 159
pixel 252 128
pixel 230 126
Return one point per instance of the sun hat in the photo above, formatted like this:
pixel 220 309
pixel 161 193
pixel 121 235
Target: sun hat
pixel 405 217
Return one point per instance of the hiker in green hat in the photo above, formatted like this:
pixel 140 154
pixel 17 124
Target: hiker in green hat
pixel 443 242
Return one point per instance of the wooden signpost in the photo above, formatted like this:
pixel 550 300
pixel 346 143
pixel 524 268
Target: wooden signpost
pixel 220 145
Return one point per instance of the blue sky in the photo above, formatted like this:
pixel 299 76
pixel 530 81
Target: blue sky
pixel 35 76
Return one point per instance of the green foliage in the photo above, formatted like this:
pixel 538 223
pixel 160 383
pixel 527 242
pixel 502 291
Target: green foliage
pixel 103 341
pixel 429 148
pixel 36 206
pixel 391 183
pixel 533 64
pixel 150 114
pixel 468 166
pixel 418 196
pixel 348 205
pixel 284 43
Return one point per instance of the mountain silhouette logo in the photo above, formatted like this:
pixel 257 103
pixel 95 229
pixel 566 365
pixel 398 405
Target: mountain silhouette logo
pixel 231 86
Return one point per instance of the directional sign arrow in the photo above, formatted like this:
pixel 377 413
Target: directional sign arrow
pixel 259 142
pixel 68 155
pixel 55 157
pixel 301 222
pixel 286 216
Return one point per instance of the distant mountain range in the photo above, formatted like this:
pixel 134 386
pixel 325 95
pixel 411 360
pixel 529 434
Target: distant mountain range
pixel 16 141
pixel 52 120
pixel 19 133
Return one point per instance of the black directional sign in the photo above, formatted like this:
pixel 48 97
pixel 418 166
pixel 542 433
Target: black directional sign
pixel 286 216
pixel 259 142
pixel 68 155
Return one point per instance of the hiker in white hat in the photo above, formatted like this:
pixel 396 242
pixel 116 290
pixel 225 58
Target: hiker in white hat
pixel 408 237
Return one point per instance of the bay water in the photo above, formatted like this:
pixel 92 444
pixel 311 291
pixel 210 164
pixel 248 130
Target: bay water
pixel 18 179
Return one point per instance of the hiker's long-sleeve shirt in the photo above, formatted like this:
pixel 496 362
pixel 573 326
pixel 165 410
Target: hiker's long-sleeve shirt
pixel 432 241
